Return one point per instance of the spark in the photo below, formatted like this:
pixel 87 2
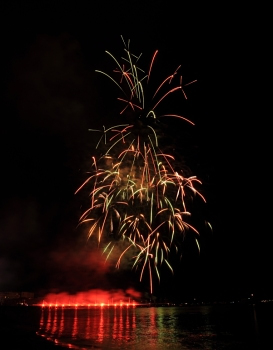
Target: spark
pixel 136 196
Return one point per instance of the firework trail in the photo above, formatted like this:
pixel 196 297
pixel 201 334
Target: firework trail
pixel 136 195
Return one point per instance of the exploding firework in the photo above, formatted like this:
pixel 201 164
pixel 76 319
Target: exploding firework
pixel 138 199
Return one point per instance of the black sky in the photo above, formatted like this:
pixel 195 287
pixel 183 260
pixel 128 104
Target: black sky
pixel 52 95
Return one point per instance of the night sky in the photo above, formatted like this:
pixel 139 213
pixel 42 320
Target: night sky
pixel 52 96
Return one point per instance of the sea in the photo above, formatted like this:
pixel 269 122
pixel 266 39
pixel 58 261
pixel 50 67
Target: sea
pixel 185 327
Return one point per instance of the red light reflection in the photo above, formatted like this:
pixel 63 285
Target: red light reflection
pixel 93 323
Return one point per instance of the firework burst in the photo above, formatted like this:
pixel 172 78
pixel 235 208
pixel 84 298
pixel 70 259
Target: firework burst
pixel 136 194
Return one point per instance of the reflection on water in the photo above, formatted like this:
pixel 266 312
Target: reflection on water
pixel 143 328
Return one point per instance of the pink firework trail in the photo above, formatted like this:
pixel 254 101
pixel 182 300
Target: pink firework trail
pixel 136 195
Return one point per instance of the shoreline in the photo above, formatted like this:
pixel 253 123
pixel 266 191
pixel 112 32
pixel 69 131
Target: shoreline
pixel 19 327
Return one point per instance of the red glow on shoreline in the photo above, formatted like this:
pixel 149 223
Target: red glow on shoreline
pixel 45 304
pixel 89 299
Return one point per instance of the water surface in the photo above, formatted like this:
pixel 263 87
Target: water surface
pixel 214 327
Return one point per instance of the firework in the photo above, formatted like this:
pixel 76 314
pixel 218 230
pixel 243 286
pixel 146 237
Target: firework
pixel 136 195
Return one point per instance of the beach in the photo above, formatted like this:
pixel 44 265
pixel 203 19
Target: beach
pixel 19 325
